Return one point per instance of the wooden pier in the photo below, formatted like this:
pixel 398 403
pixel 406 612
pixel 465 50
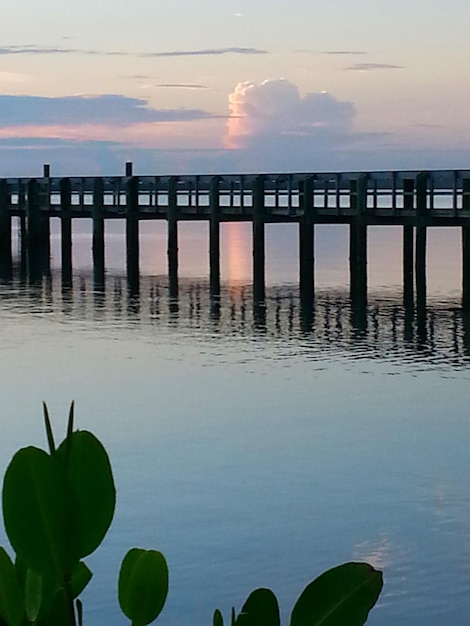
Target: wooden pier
pixel 415 200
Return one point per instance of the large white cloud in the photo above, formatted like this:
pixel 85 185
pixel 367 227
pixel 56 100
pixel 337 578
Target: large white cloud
pixel 274 112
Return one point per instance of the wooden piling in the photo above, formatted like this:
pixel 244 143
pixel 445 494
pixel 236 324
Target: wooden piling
pixel 408 263
pixel 5 231
pixel 34 252
pixel 172 249
pixel 66 229
pixel 307 241
pixel 421 236
pixel 358 245
pixel 132 232
pixel 214 236
pixel 98 250
pixel 258 242
pixel 466 267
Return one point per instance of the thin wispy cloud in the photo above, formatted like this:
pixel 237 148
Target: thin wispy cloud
pixel 344 52
pixel 44 50
pixel 181 86
pixel 205 52
pixel 367 67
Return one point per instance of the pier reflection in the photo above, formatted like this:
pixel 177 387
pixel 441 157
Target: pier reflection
pixel 330 324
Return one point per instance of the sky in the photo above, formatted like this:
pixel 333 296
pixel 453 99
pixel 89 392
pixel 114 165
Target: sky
pixel 235 86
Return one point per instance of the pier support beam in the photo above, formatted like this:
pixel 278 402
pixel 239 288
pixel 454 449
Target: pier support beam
pixel 66 230
pixel 306 244
pixel 258 240
pixel 132 233
pixel 214 237
pixel 421 238
pixel 172 249
pixel 408 263
pixel 5 232
pixel 358 246
pixel 466 268
pixel 97 213
pixel 36 247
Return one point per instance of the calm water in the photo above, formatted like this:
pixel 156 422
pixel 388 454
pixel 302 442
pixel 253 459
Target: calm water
pixel 257 447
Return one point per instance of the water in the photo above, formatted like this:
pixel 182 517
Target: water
pixel 259 446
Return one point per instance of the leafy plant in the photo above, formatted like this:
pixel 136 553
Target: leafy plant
pixel 57 508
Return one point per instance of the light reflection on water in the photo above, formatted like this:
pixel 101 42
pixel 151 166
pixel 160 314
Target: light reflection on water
pixel 256 447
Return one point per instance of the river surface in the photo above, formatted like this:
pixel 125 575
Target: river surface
pixel 258 446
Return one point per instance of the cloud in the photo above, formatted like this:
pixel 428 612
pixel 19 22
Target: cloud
pixel 181 86
pixel 366 67
pixel 44 50
pixel 108 109
pixel 344 52
pixel 275 113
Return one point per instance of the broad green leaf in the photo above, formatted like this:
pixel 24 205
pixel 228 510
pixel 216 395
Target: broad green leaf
pixel 33 594
pixel 342 596
pixel 11 598
pixel 89 472
pixel 38 511
pixel 143 585
pixel 217 620
pixel 81 576
pixel 260 609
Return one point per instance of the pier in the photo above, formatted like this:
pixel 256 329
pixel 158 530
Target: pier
pixel 414 200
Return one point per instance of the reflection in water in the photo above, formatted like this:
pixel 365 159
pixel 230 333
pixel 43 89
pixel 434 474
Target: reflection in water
pixel 439 335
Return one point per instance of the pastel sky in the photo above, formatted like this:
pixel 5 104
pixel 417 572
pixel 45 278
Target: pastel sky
pixel 187 86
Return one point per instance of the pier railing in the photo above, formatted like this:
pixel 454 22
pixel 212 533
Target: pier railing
pixel 414 200
pixel 384 197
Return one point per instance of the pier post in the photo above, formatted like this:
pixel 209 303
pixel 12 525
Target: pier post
pixel 358 245
pixel 66 229
pixel 214 236
pixel 258 239
pixel 5 231
pixel 408 262
pixel 34 231
pixel 306 242
pixel 421 236
pixel 132 233
pixel 466 247
pixel 466 268
pixel 97 213
pixel 172 250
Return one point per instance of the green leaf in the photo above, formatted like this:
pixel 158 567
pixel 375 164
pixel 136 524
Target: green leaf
pixel 11 598
pixel 143 585
pixel 90 475
pixel 38 511
pixel 260 609
pixel 341 596
pixel 217 620
pixel 33 594
pixel 49 433
pixel 81 576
